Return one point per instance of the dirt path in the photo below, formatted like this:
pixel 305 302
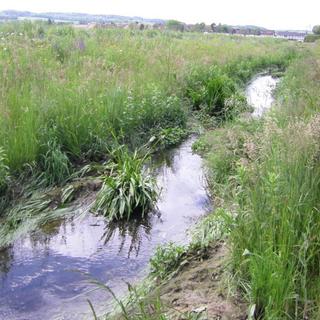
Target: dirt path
pixel 199 290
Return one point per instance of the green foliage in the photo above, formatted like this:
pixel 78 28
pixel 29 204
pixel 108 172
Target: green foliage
pixel 166 260
pixel 127 187
pixel 175 25
pixel 200 146
pixel 55 164
pixel 172 136
pixel 4 171
pixel 136 306
pixel 153 114
pixel 122 81
pixel 244 69
pixel 316 29
pixel 33 210
pixel 61 51
pixel 217 91
pixel 267 171
pixel 212 228
pixel 312 37
pixel 209 91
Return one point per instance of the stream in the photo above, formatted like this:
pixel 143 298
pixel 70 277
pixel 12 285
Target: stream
pixel 47 274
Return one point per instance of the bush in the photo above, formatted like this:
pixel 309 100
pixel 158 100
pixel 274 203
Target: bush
pixel 150 114
pixel 127 188
pixel 312 38
pixel 316 29
pixel 209 91
pixel 215 93
pixel 172 136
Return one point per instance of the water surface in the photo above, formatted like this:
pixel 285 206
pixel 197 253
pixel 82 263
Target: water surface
pixel 260 94
pixel 42 275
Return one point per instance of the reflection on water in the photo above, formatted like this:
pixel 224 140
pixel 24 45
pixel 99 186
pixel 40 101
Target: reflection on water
pixel 259 94
pixel 133 229
pixel 6 257
pixel 44 275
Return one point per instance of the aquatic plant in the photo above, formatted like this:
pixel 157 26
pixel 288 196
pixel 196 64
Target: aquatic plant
pixel 128 187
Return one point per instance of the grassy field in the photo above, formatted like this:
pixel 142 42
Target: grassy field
pixel 64 91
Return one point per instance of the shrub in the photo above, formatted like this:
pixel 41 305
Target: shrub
pixel 172 136
pixel 216 94
pixel 316 29
pixel 127 187
pixel 151 113
pixel 312 38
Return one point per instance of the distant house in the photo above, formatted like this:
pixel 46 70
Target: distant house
pixel 291 35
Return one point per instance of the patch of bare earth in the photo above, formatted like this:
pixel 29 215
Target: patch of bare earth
pixel 199 291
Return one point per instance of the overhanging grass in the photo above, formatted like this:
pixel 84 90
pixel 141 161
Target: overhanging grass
pixel 268 173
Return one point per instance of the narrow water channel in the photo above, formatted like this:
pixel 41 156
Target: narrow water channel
pixel 260 93
pixel 44 275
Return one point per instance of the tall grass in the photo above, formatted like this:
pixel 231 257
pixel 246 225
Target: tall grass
pixel 74 87
pixel 4 171
pixel 269 171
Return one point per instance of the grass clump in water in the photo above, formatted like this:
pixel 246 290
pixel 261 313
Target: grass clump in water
pixel 127 187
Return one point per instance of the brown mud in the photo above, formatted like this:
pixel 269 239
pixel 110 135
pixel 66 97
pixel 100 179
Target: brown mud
pixel 199 290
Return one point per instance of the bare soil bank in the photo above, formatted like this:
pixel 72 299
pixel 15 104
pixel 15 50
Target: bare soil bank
pixel 200 290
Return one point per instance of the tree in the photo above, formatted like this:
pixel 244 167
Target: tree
pixel 175 25
pixel 198 27
pixel 202 26
pixel 316 29
pixel 213 27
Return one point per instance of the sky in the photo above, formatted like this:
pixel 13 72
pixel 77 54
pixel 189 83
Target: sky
pixel 273 14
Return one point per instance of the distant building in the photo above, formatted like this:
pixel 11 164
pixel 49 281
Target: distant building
pixel 32 19
pixel 291 35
